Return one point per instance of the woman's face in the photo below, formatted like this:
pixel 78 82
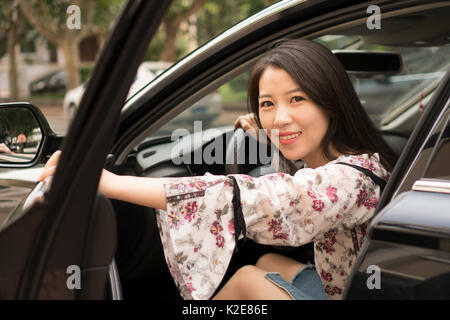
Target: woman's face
pixel 294 123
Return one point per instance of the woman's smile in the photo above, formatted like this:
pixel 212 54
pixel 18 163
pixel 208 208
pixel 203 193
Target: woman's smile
pixel 286 138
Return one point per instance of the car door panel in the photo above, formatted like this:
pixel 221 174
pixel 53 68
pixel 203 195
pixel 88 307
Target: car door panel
pixel 410 244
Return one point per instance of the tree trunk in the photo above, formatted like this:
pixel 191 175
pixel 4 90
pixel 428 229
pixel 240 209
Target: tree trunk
pixel 11 48
pixel 71 54
pixel 13 86
pixel 168 52
pixel 270 2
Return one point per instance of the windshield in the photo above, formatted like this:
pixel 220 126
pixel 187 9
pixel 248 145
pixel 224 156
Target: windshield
pixel 387 96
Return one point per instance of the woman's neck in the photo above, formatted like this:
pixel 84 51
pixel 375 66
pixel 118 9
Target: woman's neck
pixel 319 159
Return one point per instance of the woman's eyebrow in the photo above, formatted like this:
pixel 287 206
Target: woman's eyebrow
pixel 288 92
pixel 294 90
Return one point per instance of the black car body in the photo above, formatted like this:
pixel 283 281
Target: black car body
pixel 54 82
pixel 117 244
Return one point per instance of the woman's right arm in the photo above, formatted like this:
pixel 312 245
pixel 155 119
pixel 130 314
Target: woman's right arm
pixel 149 192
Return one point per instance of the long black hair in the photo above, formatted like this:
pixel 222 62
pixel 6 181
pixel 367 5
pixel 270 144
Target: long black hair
pixel 322 77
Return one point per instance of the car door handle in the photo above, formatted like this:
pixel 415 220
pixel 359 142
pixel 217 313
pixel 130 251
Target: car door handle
pixel 431 185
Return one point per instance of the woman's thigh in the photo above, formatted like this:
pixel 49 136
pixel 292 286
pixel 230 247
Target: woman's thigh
pixel 273 262
pixel 249 283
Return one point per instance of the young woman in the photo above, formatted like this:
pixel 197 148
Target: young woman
pixel 300 93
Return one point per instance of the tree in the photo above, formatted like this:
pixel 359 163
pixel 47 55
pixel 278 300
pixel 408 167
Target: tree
pixel 179 11
pixel 14 30
pixel 217 15
pixel 50 19
pixel 269 2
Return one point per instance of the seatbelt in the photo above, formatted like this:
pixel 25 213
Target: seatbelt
pixel 378 181
pixel 239 222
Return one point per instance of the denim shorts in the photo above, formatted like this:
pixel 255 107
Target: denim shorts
pixel 305 285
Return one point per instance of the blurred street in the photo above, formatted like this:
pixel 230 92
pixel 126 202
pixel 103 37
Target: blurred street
pixel 55 116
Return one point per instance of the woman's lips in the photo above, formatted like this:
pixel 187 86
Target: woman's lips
pixel 286 138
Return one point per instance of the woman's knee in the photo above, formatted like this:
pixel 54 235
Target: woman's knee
pixel 268 261
pixel 243 278
pixel 245 273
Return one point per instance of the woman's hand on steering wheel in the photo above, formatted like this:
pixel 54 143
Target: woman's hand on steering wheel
pixel 248 123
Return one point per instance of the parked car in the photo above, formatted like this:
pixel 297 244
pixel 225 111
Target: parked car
pixel 206 110
pixel 73 97
pixel 55 82
pixel 117 244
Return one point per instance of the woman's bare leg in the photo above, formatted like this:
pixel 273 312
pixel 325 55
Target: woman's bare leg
pixel 248 283
pixel 272 262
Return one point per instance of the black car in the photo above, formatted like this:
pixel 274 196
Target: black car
pixel 54 82
pixel 49 234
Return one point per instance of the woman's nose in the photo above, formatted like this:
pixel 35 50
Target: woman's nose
pixel 283 116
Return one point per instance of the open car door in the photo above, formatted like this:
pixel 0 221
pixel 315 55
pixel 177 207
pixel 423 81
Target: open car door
pixel 72 228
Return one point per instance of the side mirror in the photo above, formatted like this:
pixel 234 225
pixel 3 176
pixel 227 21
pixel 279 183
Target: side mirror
pixel 25 136
pixel 370 62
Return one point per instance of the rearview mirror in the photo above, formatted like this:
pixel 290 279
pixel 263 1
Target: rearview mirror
pixel 370 62
pixel 20 135
pixel 25 136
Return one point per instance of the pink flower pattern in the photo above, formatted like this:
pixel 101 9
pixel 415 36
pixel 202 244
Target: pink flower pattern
pixel 216 228
pixel 231 227
pixel 322 205
pixel 331 194
pixel 220 241
pixel 318 205
pixel 189 211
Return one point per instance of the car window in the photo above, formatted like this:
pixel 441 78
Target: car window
pixel 402 93
pixel 398 109
pixel 439 164
pixel 438 167
pixel 217 109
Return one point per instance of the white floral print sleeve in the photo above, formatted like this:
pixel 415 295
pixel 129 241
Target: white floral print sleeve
pixel 317 205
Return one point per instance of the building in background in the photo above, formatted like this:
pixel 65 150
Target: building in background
pixel 36 58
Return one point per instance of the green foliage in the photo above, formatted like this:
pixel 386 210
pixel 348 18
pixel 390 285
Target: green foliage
pixel 236 89
pixel 217 16
pixel 14 121
pixel 178 6
pixel 156 46
pixel 106 11
pixel 85 72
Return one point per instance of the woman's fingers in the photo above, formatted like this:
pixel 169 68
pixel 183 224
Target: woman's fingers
pixel 245 122
pixel 50 166
pixel 53 161
pixel 237 123
pixel 47 172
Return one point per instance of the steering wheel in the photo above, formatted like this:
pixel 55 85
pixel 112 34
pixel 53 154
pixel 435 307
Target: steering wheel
pixel 235 153
pixel 37 194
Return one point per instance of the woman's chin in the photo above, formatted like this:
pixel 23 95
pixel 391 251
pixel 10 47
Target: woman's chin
pixel 291 156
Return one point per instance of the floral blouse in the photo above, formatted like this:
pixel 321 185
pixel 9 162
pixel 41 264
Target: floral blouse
pixel 319 205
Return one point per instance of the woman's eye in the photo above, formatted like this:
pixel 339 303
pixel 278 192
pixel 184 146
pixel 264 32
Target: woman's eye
pixel 297 99
pixel 265 104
